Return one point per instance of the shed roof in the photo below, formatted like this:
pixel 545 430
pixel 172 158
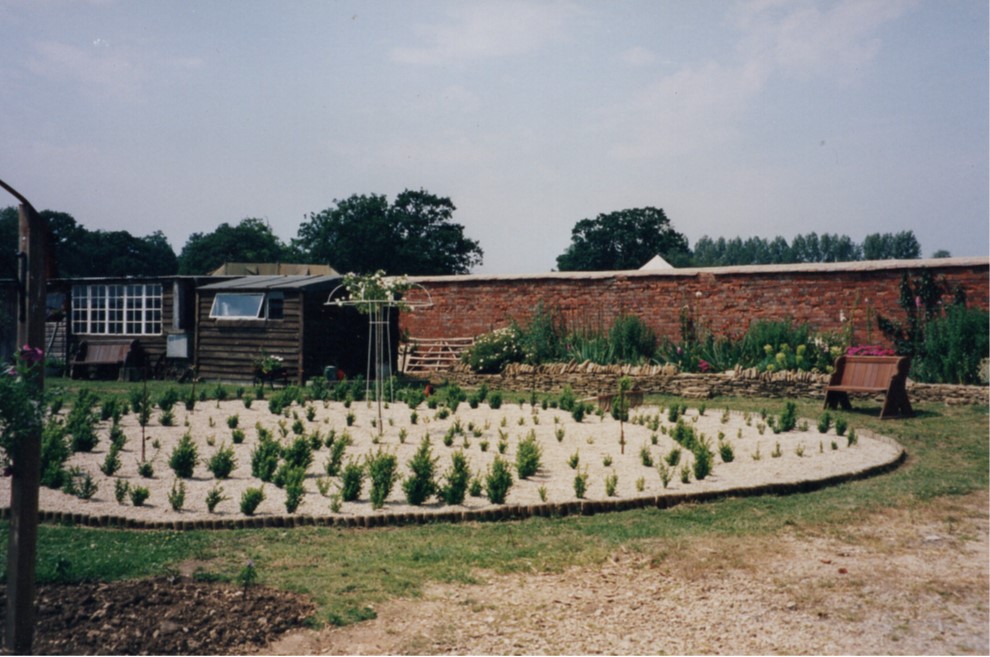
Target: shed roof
pixel 261 283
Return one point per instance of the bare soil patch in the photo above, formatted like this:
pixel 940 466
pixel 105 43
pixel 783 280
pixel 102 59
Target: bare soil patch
pixel 161 616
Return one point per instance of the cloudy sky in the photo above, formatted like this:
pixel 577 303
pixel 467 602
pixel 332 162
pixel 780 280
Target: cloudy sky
pixel 769 117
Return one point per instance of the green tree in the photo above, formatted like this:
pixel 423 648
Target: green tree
pixel 79 252
pixel 252 240
pixel 626 239
pixel 415 234
pixel 886 246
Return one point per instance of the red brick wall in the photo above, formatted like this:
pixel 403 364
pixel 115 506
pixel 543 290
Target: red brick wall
pixel 724 299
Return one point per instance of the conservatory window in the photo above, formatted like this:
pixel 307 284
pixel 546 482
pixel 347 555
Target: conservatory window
pixel 117 309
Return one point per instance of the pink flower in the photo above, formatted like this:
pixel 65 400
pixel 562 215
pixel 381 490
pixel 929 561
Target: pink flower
pixel 31 354
pixel 703 365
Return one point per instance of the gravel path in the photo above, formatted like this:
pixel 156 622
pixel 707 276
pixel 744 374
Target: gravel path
pixel 899 582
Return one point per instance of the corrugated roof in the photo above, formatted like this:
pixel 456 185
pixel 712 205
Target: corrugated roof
pixel 255 283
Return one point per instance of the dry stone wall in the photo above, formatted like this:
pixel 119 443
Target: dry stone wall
pixel 589 379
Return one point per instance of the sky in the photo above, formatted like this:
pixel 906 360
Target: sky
pixel 749 118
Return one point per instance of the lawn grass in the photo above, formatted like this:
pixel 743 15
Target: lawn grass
pixel 348 571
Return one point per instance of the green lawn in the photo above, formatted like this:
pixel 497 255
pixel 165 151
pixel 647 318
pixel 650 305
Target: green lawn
pixel 345 571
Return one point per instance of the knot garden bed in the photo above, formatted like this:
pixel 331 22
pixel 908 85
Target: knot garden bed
pixel 654 468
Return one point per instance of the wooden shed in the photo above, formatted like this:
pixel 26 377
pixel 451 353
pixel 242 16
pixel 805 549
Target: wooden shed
pixel 156 313
pixel 241 319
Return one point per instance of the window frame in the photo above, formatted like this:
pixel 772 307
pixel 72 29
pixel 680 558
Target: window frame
pixel 116 309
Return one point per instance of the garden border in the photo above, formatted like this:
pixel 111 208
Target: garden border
pixel 490 514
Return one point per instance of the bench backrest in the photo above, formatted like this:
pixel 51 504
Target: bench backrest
pixel 106 352
pixel 869 371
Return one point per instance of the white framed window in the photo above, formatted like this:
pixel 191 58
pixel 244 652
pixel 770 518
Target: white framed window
pixel 117 309
pixel 238 305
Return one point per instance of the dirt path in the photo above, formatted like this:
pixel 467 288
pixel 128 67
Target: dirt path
pixel 900 582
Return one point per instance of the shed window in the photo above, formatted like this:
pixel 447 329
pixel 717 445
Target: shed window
pixel 238 306
pixel 276 305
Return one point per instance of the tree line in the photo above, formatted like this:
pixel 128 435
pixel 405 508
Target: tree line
pixel 416 234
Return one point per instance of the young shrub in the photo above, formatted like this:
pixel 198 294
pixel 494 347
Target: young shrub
pixel 573 460
pixel 495 400
pixel 250 499
pixel 685 474
pixel 293 480
pixel 299 454
pixel 265 456
pixel 645 457
pixel 476 487
pixel 673 457
pixel 146 470
pixel 421 485
pixel 702 462
pixel 498 481
pixel 352 479
pixel 177 496
pixel 184 457
pixel 666 473
pixel 83 487
pixel 840 426
pixel 567 399
pixel 611 483
pixel 456 479
pixel 788 419
pixel 640 484
pixel 214 496
pixel 120 489
pixel 776 453
pixel 111 462
pixel 528 454
pixel 726 452
pixel 233 421
pixel 168 399
pixel 336 456
pixel 81 422
pixel 824 422
pixel 223 462
pixel 167 418
pixel 852 437
pixel 237 435
pixel 578 412
pixel 382 467
pixel 139 495
pixel 580 484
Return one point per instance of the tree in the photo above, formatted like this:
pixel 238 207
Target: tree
pixel 886 246
pixel 626 239
pixel 252 240
pixel 413 235
pixel 79 252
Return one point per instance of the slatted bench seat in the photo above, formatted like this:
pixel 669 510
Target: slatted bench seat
pixel 871 374
pixel 104 356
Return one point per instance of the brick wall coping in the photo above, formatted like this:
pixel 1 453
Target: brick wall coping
pixel 798 268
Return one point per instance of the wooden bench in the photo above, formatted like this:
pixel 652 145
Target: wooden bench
pixel 97 357
pixel 871 374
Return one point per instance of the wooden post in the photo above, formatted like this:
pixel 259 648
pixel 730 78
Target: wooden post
pixel 23 536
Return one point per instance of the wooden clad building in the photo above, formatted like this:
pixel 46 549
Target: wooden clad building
pixel 157 312
pixel 242 319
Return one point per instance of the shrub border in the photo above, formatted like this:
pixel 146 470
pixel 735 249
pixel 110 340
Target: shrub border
pixel 488 514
